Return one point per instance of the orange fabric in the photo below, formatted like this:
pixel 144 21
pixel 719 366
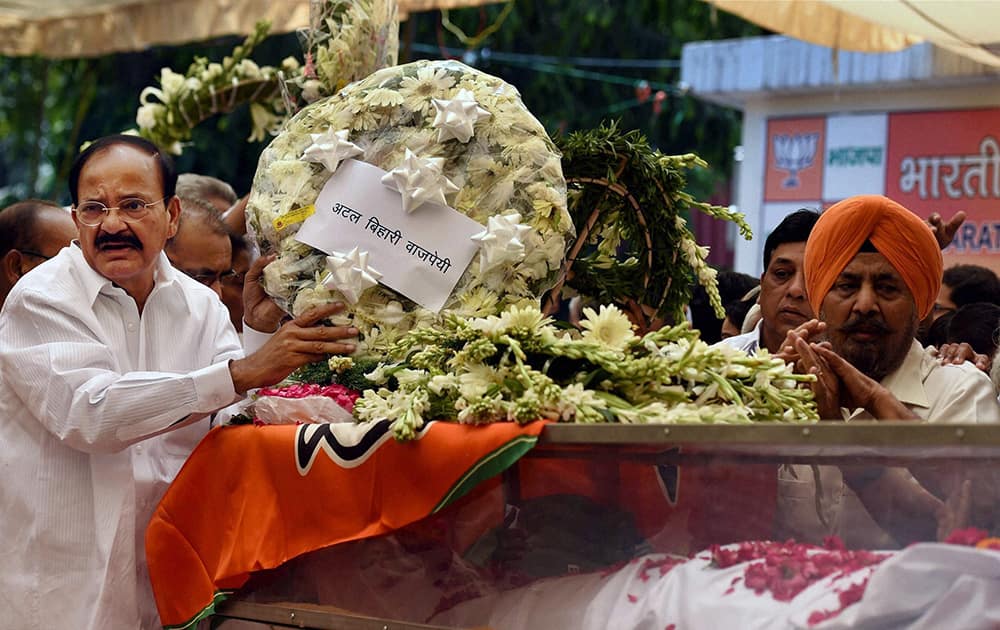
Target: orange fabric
pixel 250 498
pixel 898 234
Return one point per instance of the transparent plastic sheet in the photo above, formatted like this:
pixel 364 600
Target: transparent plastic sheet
pixel 621 538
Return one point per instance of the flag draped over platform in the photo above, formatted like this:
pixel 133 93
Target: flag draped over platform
pixel 253 497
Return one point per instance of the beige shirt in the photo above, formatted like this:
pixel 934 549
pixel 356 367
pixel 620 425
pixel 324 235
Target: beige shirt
pixel 814 502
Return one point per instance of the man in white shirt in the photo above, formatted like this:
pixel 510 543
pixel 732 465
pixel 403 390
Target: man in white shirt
pixel 782 297
pixel 111 361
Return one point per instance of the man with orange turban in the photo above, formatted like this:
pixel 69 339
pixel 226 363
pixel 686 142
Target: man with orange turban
pixel 872 271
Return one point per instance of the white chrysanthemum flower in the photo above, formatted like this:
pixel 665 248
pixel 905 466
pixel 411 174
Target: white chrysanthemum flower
pixel 422 317
pixel 547 202
pixel 476 380
pixel 524 317
pixel 530 150
pixel 429 83
pixel 306 299
pixel 364 120
pixel 383 97
pixel 289 64
pixel 392 314
pixel 291 175
pixel 543 255
pixel 479 302
pixel 610 328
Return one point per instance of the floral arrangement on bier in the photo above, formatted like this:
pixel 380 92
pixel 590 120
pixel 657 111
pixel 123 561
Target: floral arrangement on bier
pixel 452 134
pixel 519 367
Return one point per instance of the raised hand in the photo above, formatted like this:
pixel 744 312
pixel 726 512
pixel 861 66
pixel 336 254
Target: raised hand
pixel 808 331
pixel 944 231
pixel 827 387
pixel 296 343
pixel 259 310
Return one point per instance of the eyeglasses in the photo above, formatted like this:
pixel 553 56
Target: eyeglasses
pixel 130 210
pixel 29 252
pixel 211 277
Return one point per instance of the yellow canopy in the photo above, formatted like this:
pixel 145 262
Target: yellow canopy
pixel 85 28
pixel 967 27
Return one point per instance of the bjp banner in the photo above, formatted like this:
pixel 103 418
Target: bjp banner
pixel 930 162
pixel 251 498
pixel 946 161
pixel 794 159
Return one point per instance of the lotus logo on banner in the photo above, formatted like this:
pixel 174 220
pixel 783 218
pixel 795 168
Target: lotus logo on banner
pixel 793 153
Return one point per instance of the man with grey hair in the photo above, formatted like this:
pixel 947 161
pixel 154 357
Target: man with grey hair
pixel 217 193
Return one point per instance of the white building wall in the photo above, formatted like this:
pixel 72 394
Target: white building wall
pixel 756 112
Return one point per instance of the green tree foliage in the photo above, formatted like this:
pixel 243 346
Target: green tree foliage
pixel 49 107
pixel 568 94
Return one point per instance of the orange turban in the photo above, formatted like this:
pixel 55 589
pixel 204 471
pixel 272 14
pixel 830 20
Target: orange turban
pixel 901 236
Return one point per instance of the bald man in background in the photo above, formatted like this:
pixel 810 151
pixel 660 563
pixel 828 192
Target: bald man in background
pixel 31 232
pixel 872 272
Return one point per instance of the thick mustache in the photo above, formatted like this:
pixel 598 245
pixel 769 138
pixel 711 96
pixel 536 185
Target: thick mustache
pixel 117 239
pixel 864 325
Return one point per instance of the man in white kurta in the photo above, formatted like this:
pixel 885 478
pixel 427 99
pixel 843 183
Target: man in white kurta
pixel 82 479
pixel 111 361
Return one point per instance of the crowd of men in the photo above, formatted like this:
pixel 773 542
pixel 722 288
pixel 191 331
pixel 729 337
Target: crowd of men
pixel 142 315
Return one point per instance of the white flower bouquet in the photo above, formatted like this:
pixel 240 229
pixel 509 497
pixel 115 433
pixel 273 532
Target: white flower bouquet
pixel 500 167
pixel 519 367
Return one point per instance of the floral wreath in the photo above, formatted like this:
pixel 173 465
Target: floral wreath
pixel 482 153
pixel 634 246
pixel 633 243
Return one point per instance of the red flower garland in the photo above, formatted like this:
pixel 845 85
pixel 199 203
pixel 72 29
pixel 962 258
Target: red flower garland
pixel 343 396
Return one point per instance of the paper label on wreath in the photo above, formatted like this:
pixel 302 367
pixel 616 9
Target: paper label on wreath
pixel 421 254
